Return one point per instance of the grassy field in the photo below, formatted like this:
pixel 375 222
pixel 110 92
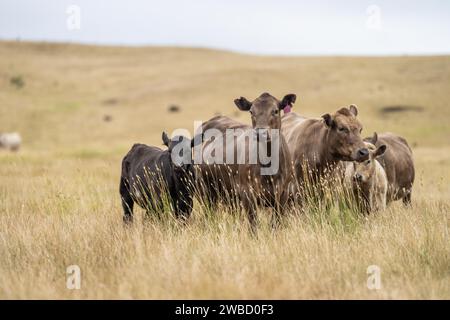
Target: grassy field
pixel 59 201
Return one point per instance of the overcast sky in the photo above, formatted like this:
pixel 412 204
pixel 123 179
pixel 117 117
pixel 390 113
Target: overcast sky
pixel 355 27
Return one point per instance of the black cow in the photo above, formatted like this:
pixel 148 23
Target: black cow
pixel 153 177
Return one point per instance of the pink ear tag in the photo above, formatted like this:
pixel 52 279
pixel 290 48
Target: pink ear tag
pixel 287 109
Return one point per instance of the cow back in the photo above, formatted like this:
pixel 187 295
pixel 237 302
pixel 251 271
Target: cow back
pixel 398 163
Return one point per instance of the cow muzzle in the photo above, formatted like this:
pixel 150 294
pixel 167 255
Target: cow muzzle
pixel 262 134
pixel 362 154
pixel 358 177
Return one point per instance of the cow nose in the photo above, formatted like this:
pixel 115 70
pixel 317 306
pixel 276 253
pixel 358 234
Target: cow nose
pixel 262 133
pixel 363 153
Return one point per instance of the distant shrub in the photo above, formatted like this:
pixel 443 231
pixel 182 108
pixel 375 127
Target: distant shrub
pixel 17 81
pixel 174 108
pixel 110 101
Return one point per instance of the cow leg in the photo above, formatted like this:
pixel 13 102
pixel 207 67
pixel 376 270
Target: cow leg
pixel 127 202
pixel 182 217
pixel 250 208
pixel 177 206
pixel 407 199
pixel 183 211
pixel 211 198
pixel 252 220
pixel 276 218
pixel 281 203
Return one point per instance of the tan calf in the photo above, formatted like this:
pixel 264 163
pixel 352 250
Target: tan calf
pixel 368 180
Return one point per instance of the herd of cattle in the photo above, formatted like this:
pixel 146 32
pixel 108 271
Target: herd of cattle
pixel 378 169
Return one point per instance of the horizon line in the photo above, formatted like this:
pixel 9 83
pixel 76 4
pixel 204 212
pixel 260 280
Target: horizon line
pixel 220 49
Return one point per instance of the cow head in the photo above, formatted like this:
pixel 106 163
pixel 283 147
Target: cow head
pixel 180 150
pixel 182 171
pixel 365 170
pixel 344 136
pixel 265 112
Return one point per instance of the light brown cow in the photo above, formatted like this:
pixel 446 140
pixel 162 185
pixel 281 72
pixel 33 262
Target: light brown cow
pixel 317 145
pixel 398 163
pixel 242 181
pixel 368 180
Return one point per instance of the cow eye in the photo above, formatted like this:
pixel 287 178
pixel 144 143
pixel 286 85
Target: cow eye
pixel 342 129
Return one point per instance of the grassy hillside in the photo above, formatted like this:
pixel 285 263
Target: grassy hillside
pixel 59 202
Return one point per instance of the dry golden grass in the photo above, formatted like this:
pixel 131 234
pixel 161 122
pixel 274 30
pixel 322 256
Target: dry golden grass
pixel 59 201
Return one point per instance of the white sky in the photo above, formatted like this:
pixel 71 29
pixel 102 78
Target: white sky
pixel 253 26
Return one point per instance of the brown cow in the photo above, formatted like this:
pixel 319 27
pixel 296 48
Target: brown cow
pixel 398 163
pixel 317 145
pixel 242 182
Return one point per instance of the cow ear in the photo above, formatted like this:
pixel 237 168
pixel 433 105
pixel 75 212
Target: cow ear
pixel 328 120
pixel 353 109
pixel 243 104
pixel 380 150
pixel 375 138
pixel 165 139
pixel 194 141
pixel 288 100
